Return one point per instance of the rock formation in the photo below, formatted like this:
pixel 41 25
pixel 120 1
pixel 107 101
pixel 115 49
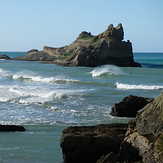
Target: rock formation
pixel 88 50
pixel 9 128
pixel 88 143
pixel 4 56
pixel 129 106
pixel 142 143
pixel 113 33
pixel 35 55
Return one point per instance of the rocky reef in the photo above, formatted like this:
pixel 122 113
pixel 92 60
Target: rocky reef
pixel 9 128
pixel 88 50
pixel 139 141
pixel 4 56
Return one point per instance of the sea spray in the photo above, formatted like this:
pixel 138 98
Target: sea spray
pixel 4 74
pixel 141 86
pixel 108 70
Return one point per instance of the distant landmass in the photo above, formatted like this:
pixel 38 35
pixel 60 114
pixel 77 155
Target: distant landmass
pixel 89 51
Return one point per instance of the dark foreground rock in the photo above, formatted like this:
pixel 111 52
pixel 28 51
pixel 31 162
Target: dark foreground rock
pixel 88 50
pixel 142 143
pixel 8 128
pixel 4 57
pixel 88 143
pixel 129 106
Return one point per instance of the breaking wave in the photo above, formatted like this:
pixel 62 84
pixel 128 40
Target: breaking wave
pixel 36 93
pixel 59 78
pixel 108 70
pixel 147 87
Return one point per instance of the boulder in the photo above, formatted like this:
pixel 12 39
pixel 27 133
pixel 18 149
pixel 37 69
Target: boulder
pixel 8 128
pixel 4 56
pixel 129 106
pixel 88 143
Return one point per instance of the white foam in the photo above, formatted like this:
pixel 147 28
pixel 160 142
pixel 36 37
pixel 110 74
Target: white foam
pixel 128 86
pixel 4 99
pixel 107 69
pixel 4 73
pixel 58 94
pixel 35 78
pixel 5 95
pixel 35 94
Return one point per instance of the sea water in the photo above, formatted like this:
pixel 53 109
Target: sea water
pixel 46 99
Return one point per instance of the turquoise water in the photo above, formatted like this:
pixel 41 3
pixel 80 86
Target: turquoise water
pixel 46 98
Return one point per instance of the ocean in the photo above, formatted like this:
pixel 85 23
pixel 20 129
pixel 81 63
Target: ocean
pixel 45 99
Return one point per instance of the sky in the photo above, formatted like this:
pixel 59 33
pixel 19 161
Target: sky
pixel 33 24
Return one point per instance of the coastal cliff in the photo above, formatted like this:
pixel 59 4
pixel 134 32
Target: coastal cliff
pixel 139 141
pixel 88 50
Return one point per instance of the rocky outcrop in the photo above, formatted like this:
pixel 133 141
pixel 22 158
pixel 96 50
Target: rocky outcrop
pixel 4 56
pixel 113 33
pixel 90 51
pixel 88 143
pixel 142 143
pixel 129 106
pixel 35 55
pixel 145 134
pixel 148 132
pixel 9 128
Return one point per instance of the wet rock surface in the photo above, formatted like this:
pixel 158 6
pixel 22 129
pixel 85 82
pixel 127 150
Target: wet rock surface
pixel 11 128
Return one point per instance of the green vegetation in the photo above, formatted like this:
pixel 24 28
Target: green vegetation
pixel 95 39
pixel 159 148
pixel 88 36
pixel 64 56
pixel 85 36
pixel 92 39
pixel 53 58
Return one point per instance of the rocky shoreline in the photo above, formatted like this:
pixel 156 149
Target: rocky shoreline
pixel 89 51
pixel 139 141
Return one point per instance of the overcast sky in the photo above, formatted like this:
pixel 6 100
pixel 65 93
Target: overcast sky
pixel 32 24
